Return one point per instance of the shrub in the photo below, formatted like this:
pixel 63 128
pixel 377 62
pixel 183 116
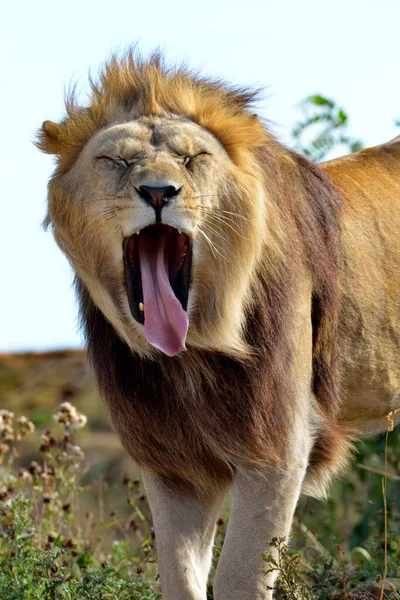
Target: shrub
pixel 45 554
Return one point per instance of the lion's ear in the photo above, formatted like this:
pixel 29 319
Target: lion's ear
pixel 49 138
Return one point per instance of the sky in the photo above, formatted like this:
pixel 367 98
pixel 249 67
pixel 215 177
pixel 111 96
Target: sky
pixel 346 50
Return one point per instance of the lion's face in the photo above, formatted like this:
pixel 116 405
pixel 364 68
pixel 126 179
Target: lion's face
pixel 164 230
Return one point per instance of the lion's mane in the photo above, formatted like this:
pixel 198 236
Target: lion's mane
pixel 195 417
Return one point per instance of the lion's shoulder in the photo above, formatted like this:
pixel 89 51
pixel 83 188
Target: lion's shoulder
pixel 369 178
pixel 374 170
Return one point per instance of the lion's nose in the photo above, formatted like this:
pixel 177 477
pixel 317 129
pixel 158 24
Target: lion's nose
pixel 157 197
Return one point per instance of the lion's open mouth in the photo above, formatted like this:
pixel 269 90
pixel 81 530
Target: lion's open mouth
pixel 158 263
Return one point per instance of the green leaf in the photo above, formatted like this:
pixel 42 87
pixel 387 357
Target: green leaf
pixel 84 560
pixel 358 552
pixel 356 146
pixel 322 128
pixel 319 100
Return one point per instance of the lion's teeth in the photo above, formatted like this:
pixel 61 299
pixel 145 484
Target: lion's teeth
pixel 179 231
pixel 137 231
pixel 141 306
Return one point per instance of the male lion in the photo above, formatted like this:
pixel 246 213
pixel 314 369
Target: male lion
pixel 191 228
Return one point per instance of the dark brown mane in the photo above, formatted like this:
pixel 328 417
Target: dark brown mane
pixel 319 228
pixel 194 417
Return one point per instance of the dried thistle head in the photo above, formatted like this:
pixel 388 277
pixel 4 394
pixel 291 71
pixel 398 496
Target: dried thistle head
pixel 391 418
pixel 7 433
pixel 6 418
pixel 25 427
pixel 24 475
pixel 4 448
pixel 70 417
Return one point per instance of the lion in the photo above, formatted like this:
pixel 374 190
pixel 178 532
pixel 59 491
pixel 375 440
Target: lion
pixel 240 305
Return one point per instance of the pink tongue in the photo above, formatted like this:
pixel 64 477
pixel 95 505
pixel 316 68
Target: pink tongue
pixel 165 321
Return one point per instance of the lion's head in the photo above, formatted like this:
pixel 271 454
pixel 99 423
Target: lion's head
pixel 158 202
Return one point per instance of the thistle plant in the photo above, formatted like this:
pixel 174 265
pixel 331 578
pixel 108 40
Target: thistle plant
pixel 45 551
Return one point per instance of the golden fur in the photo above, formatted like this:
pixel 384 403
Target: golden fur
pixel 269 268
pixel 369 183
pixel 136 87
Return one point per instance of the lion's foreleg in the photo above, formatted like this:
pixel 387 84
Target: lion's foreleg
pixel 185 528
pixel 262 508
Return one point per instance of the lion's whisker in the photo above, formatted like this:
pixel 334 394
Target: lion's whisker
pixel 220 220
pixel 83 229
pixel 95 211
pixel 213 246
pixel 210 243
pixel 218 231
pixel 222 212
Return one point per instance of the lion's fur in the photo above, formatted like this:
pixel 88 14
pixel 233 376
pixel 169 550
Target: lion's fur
pixel 369 183
pixel 137 87
pixel 233 398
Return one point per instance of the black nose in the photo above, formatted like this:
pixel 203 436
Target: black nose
pixel 157 197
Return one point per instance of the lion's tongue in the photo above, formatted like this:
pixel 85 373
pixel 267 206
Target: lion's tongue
pixel 165 321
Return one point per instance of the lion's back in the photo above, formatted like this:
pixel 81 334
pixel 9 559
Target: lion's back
pixel 369 183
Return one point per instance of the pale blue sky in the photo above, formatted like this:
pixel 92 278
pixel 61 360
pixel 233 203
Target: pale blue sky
pixel 345 49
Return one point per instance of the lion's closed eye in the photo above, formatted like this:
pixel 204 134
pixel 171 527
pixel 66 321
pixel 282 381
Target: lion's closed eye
pixel 119 161
pixel 189 160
